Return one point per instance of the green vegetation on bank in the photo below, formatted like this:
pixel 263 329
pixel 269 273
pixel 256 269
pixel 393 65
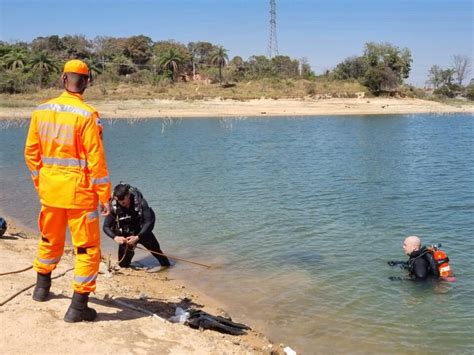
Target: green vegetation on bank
pixel 138 67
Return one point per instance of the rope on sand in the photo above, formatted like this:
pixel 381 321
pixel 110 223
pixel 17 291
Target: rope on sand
pixel 32 285
pixel 16 272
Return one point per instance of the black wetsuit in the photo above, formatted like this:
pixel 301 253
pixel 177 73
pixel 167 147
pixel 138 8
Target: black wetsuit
pixel 421 265
pixel 134 221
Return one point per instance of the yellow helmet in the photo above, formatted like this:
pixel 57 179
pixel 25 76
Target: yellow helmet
pixel 76 66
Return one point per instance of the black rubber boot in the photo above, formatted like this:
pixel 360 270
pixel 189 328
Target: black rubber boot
pixel 43 284
pixel 78 310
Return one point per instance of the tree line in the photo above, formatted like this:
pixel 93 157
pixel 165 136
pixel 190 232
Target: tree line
pixel 139 60
pixel 136 59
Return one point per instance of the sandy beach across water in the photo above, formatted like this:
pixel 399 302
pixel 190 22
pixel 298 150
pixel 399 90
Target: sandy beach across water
pixel 32 327
pixel 153 108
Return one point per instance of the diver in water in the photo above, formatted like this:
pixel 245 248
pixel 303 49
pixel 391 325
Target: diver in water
pixel 131 221
pixel 421 263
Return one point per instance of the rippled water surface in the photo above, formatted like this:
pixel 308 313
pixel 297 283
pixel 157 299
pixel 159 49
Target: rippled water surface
pixel 299 218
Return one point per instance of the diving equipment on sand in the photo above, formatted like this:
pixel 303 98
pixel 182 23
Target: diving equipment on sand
pixel 201 320
pixel 198 319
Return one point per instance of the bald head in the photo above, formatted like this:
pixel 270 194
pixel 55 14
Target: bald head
pixel 411 244
pixel 74 82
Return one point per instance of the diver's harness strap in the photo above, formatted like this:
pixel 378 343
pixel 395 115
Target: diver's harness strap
pixel 137 202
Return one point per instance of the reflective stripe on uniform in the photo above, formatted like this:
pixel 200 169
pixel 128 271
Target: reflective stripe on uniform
pixel 64 108
pixel 34 172
pixel 84 279
pixel 64 161
pixel 58 132
pixel 102 180
pixel 93 215
pixel 49 261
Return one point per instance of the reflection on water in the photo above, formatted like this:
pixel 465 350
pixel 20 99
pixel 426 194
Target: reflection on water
pixel 299 217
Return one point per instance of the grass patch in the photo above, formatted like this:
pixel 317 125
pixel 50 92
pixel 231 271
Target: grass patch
pixel 16 103
pixel 254 89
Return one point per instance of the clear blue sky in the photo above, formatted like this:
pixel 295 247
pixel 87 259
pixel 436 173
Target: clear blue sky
pixel 323 31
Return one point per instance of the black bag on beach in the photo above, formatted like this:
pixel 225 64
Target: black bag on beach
pixel 201 320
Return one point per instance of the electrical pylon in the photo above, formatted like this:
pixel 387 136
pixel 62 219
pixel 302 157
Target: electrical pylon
pixel 272 42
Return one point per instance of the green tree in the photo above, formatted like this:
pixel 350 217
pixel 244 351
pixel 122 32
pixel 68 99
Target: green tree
pixel 440 77
pixel 42 65
pixel 139 49
pixel 386 66
pixel 284 66
pixel 123 65
pixel 77 46
pixel 171 61
pixel 94 64
pixel 435 76
pixel 237 62
pixel 52 45
pixel 443 81
pixel 219 57
pixel 15 59
pixel 259 66
pixel 201 51
pixel 163 47
pixel 351 68
pixel 107 48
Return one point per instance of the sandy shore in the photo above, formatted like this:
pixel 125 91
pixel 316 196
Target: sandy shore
pixel 31 327
pixel 263 107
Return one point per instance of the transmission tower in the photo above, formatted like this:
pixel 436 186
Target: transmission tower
pixel 273 42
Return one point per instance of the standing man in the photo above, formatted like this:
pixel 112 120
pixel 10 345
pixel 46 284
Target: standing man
pixel 131 221
pixel 66 158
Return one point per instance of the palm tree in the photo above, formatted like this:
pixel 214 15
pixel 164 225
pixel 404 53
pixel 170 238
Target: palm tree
pixel 15 60
pixel 93 64
pixel 219 57
pixel 42 64
pixel 171 60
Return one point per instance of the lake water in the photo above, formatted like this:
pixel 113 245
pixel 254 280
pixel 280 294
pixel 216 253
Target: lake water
pixel 299 216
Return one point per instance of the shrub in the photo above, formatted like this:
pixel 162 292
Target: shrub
pixel 13 82
pixel 470 92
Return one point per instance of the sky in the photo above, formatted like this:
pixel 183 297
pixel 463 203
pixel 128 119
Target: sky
pixel 323 31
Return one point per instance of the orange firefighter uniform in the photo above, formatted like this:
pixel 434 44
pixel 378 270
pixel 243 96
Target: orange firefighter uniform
pixel 65 155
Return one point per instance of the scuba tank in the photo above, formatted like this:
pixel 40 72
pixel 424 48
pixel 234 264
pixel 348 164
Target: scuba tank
pixel 442 260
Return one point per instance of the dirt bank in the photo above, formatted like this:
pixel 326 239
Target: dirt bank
pixel 33 327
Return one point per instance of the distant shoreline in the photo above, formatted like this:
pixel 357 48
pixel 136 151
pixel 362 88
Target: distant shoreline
pixel 218 108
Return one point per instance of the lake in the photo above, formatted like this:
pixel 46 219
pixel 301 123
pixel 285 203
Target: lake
pixel 299 216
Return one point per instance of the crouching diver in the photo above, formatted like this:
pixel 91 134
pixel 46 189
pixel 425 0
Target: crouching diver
pixel 131 221
pixel 424 262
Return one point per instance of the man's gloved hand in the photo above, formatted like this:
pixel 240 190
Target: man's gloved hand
pixel 133 240
pixel 120 240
